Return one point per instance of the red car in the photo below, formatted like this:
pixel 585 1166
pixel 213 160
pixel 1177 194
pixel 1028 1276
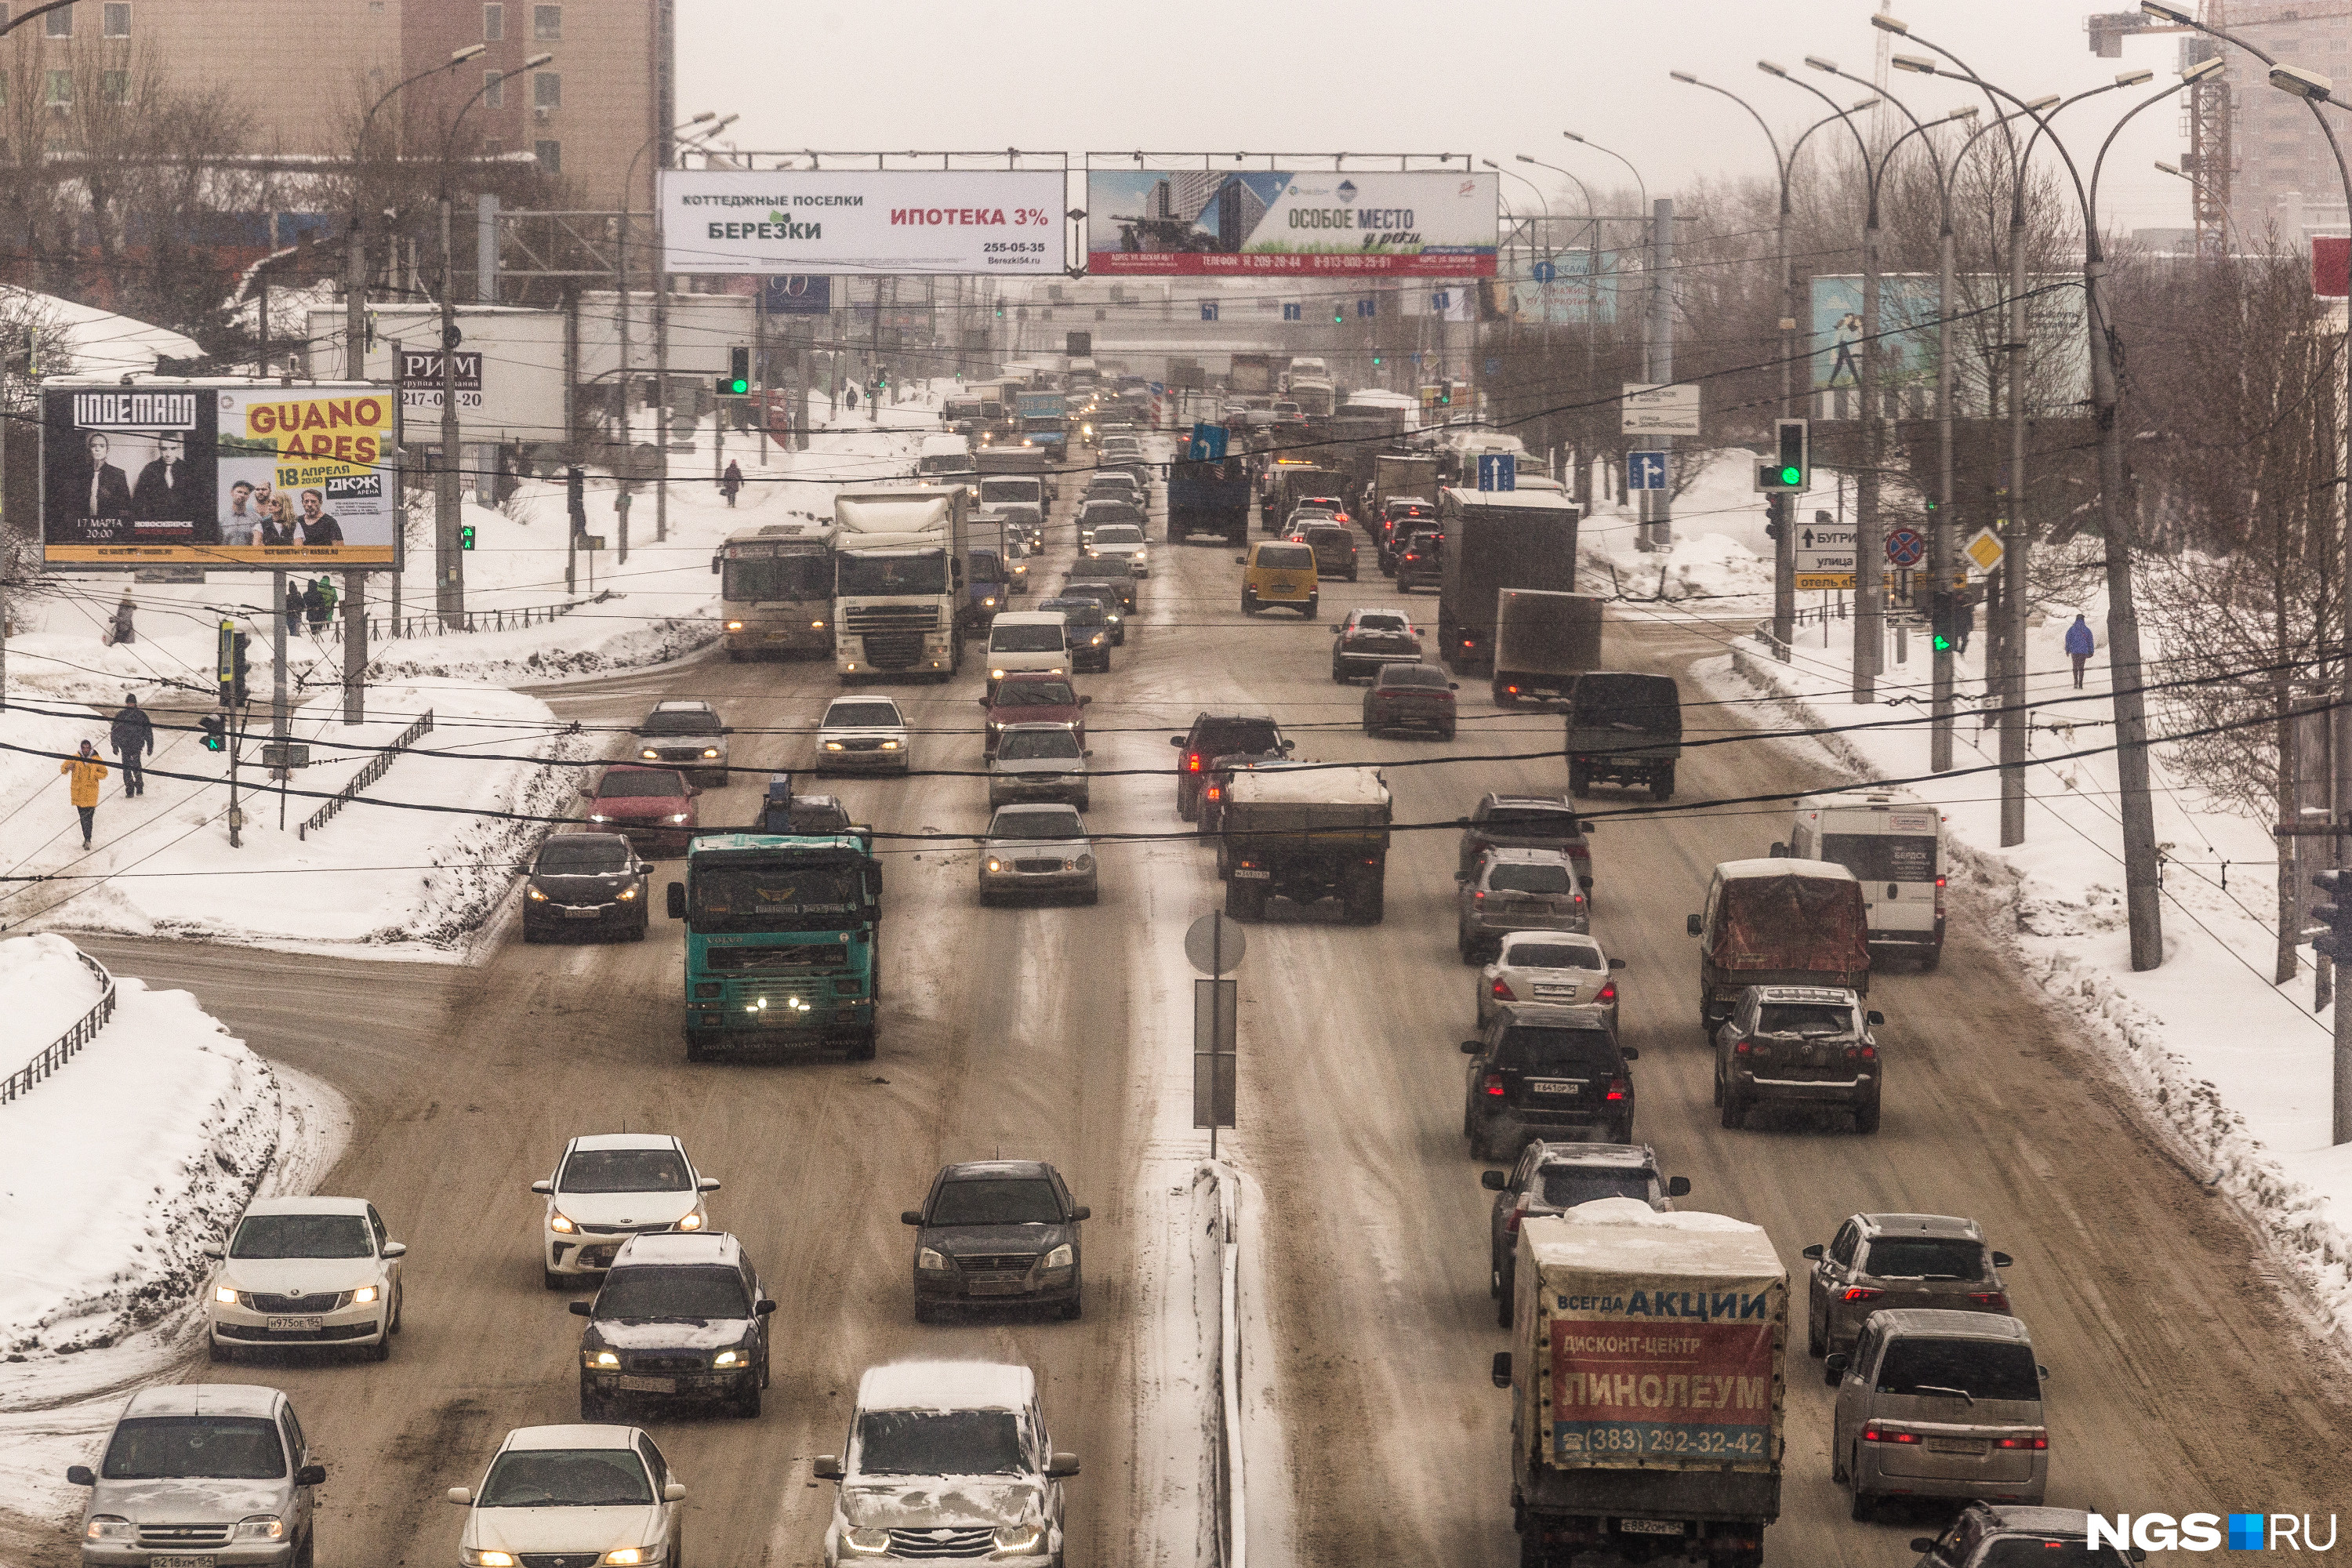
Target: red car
pixel 653 807
pixel 1033 699
pixel 1410 696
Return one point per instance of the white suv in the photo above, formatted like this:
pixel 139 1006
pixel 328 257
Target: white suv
pixel 305 1271
pixel 608 1187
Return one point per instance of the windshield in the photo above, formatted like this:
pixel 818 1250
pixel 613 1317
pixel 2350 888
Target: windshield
pixel 1926 1258
pixel 1014 490
pixel 1565 1186
pixel 808 575
pixel 644 1291
pixel 623 1171
pixel 1096 512
pixel 681 721
pixel 1983 1369
pixel 1803 1018
pixel 583 855
pixel 1025 638
pixel 1078 612
pixel 1118 534
pixel 1552 955
pixel 1411 675
pixel 1530 821
pixel 938 1442
pixel 747 898
pixel 1030 745
pixel 2044 1551
pixel 875 575
pixel 863 716
pixel 1286 557
pixel 302 1236
pixel 1518 879
pixel 1883 856
pixel 195 1447
pixel 1537 1048
pixel 1233 737
pixel 641 784
pixel 1381 624
pixel 1038 824
pixel 1035 694
pixel 1024 1201
pixel 566 1478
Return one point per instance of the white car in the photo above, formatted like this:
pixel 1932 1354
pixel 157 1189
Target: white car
pixel 1555 968
pixel 579 1496
pixel 862 733
pixel 1121 540
pixel 608 1187
pixel 1037 848
pixel 305 1271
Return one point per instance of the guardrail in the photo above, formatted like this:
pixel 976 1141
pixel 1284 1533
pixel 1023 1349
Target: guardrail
pixel 62 1049
pixel 388 627
pixel 365 776
pixel 1232 1515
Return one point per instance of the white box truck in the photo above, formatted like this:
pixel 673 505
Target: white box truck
pixel 898 571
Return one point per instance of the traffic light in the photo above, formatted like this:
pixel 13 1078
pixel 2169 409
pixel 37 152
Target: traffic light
pixel 224 660
pixel 2336 941
pixel 1446 395
pixel 1376 360
pixel 1942 619
pixel 238 642
pixel 466 536
pixel 216 730
pixel 738 373
pixel 575 498
pixel 1791 466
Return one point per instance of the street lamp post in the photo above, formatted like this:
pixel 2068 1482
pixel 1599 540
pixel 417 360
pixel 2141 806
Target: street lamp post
pixel 627 457
pixel 1657 344
pixel 1543 202
pixel 1591 312
pixel 356 249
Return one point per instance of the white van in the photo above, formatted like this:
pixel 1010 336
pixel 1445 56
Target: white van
pixel 1893 842
pixel 1028 642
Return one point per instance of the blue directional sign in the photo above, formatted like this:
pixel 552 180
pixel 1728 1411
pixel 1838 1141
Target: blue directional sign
pixel 1208 444
pixel 1367 306
pixel 1645 470
pixel 1498 471
pixel 1440 301
pixel 1207 310
pixel 1294 312
pixel 1544 271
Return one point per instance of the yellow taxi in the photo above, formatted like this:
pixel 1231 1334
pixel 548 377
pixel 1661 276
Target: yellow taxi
pixel 1278 571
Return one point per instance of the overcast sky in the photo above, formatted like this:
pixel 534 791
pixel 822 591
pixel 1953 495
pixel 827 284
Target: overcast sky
pixel 1492 78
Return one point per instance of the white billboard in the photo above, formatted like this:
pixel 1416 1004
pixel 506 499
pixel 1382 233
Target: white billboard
pixel 786 221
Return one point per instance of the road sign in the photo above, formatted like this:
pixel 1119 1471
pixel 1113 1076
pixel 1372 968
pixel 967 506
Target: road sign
pixel 1208 444
pixel 1984 549
pixel 1214 945
pixel 1649 410
pixel 1905 547
pixel 1544 271
pixel 1645 470
pixel 1825 553
pixel 1498 471
pixel 285 754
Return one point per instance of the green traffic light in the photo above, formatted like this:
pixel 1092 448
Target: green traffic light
pixel 1791 475
pixel 466 537
pixel 1943 643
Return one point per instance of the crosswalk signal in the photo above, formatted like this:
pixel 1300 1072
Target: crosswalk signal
pixel 466 536
pixel 1942 618
pixel 216 730
pixel 2334 943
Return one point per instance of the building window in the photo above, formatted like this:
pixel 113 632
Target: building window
pixel 547 89
pixel 60 88
pixel 547 23
pixel 115 86
pixel 550 155
pixel 58 24
pixel 494 89
pixel 117 19
pixel 494 23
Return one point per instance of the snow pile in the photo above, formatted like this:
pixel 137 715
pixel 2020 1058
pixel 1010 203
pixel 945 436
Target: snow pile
pixel 1720 549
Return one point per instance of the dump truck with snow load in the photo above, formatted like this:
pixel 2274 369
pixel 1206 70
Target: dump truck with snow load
pixel 1645 1371
pixel 1306 832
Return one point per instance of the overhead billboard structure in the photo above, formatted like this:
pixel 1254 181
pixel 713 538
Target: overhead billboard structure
pixel 2058 369
pixel 219 474
pixel 1300 224
pixel 798 221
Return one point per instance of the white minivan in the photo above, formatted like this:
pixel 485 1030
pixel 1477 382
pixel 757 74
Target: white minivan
pixel 1028 642
pixel 1893 842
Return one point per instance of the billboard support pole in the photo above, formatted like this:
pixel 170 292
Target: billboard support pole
pixel 760 360
pixel 278 618
pixel 355 648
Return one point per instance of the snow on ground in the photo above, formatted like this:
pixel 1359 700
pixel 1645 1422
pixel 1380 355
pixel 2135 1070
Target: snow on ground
pixel 1719 548
pixel 377 880
pixel 113 1174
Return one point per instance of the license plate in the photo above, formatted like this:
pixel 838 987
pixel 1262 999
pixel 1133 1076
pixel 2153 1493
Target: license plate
pixel 182 1561
pixel 1955 1445
pixel 998 1287
pixel 1649 1527
pixel 1556 993
pixel 1553 1086
pixel 296 1326
pixel 1252 876
pixel 649 1385
pixel 575 913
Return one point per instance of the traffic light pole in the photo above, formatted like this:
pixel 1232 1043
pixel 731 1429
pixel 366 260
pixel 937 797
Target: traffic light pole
pixel 2335 943
pixel 278 689
pixel 1941 530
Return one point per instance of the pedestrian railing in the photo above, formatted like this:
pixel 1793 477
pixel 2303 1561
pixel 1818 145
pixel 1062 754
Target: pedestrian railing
pixel 62 1049
pixel 365 776
pixel 388 628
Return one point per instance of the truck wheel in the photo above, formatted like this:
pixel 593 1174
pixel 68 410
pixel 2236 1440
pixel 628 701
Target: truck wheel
pixel 863 1051
pixel 1224 863
pixel 1337 678
pixel 1865 1116
pixel 1245 901
pixel 1579 779
pixel 1662 784
pixel 1503 1310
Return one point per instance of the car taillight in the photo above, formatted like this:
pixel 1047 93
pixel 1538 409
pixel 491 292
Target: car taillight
pixel 1742 1049
pixel 1512 690
pixel 1494 1085
pixel 1579 851
pixel 1479 896
pixel 1608 993
pixel 1874 1434
pixel 1511 1220
pixel 1868 1053
pixel 1193 762
pixel 1616 1088
pixel 1210 791
pixel 1501 991
pixel 1990 1301
pixel 1860 1293
pixel 2036 1440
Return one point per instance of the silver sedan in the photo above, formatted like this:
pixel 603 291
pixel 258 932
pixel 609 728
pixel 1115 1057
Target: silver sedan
pixel 1037 849
pixel 1561 968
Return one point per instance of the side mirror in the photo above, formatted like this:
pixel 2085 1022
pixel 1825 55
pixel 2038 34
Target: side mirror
pixel 1472 1047
pixel 1495 1181
pixel 1290 745
pixel 644 868
pixel 1838 1363
pixel 674 1492
pixel 582 1309
pixel 1336 630
pixel 396 1249
pixel 1690 924
pixel 1922 1544
pixel 910 1216
pixel 983 703
pixel 2042 1371
pixel 1616 963
pixel 1061 1466
pixel 1630 1053
pixel 826 1467
pixel 543 1188
pixel 1678 1186
pixel 1088 752
pixel 765 1306
pixel 1501 1371
pixel 693 790
pixel 1241 560
pixel 2003 1260
pixel 81 1476
pixel 677 901
pixel 725 728
pixel 461 1496
pixel 706 1183
pixel 213 1250
pixel 714 566
pixel 1177 742
pixel 587 792
pixel 1452 686
pixel 1816 1252
pixel 1082 1212
pixel 1874 1018
pixel 1780 852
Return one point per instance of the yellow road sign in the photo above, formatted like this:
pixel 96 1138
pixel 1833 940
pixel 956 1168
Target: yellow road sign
pixel 1807 581
pixel 1984 549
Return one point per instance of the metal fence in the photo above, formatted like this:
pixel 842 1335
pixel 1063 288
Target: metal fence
pixel 388 628
pixel 365 776
pixel 61 1050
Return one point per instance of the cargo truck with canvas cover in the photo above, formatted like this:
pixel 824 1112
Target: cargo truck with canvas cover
pixel 1543 642
pixel 1209 498
pixel 775 589
pixel 781 941
pixel 1778 923
pixel 1496 539
pixel 898 579
pixel 1306 832
pixel 1645 1373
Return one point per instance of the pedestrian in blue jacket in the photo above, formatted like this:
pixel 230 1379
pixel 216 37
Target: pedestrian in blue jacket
pixel 2079 643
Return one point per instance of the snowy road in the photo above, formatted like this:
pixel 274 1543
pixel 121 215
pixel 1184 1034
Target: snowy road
pixel 2180 1380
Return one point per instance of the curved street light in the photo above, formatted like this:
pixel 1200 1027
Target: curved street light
pixel 356 249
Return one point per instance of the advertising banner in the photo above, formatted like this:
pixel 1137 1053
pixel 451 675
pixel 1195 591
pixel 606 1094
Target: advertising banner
pixel 257 475
pixel 1639 1388
pixel 2058 370
pixel 798 295
pixel 796 222
pixel 1163 222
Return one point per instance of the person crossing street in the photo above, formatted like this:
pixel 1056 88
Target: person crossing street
pixel 86 772
pixel 133 735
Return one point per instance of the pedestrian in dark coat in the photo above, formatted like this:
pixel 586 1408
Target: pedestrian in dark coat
pixel 314 605
pixel 123 627
pixel 133 735
pixel 732 481
pixel 293 609
pixel 2079 647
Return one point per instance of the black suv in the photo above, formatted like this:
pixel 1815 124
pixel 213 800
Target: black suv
pixel 679 1316
pixel 998 1232
pixel 1553 1178
pixel 586 883
pixel 1804 1045
pixel 1214 735
pixel 1420 559
pixel 1546 1070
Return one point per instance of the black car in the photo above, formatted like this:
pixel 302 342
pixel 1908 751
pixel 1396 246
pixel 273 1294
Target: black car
pixel 1552 1179
pixel 1803 1045
pixel 1214 735
pixel 1090 630
pixel 586 883
pixel 1547 1072
pixel 1114 607
pixel 1108 569
pixel 1421 560
pixel 679 1316
pixel 998 1232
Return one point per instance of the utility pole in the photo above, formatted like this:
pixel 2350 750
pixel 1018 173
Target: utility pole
pixel 448 560
pixel 1658 364
pixel 661 382
pixel 2017 539
pixel 278 693
pixel 1869 543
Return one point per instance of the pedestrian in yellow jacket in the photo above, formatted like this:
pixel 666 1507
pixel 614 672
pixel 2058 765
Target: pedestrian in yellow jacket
pixel 87 771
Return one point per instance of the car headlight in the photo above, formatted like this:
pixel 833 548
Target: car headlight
pixel 625 894
pixel 930 1259
pixel 225 1296
pixel 1060 1257
pixel 872 1541
pixel 1016 1538
pixel 650 755
pixel 598 817
pixel 710 751
pixel 889 745
pixel 534 894
pixel 474 1558
pixel 691 1221
pixel 817 626
pixel 832 745
pixel 630 1556
pixel 988 602
pixel 259 1527
pixel 602 1359
pixel 363 1296
pixel 995 675
pixel 560 1224
pixel 994 864
pixel 108 1527
pixel 680 816
pixel 1095 641
pixel 734 626
pixel 731 1357
pixel 1084 863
